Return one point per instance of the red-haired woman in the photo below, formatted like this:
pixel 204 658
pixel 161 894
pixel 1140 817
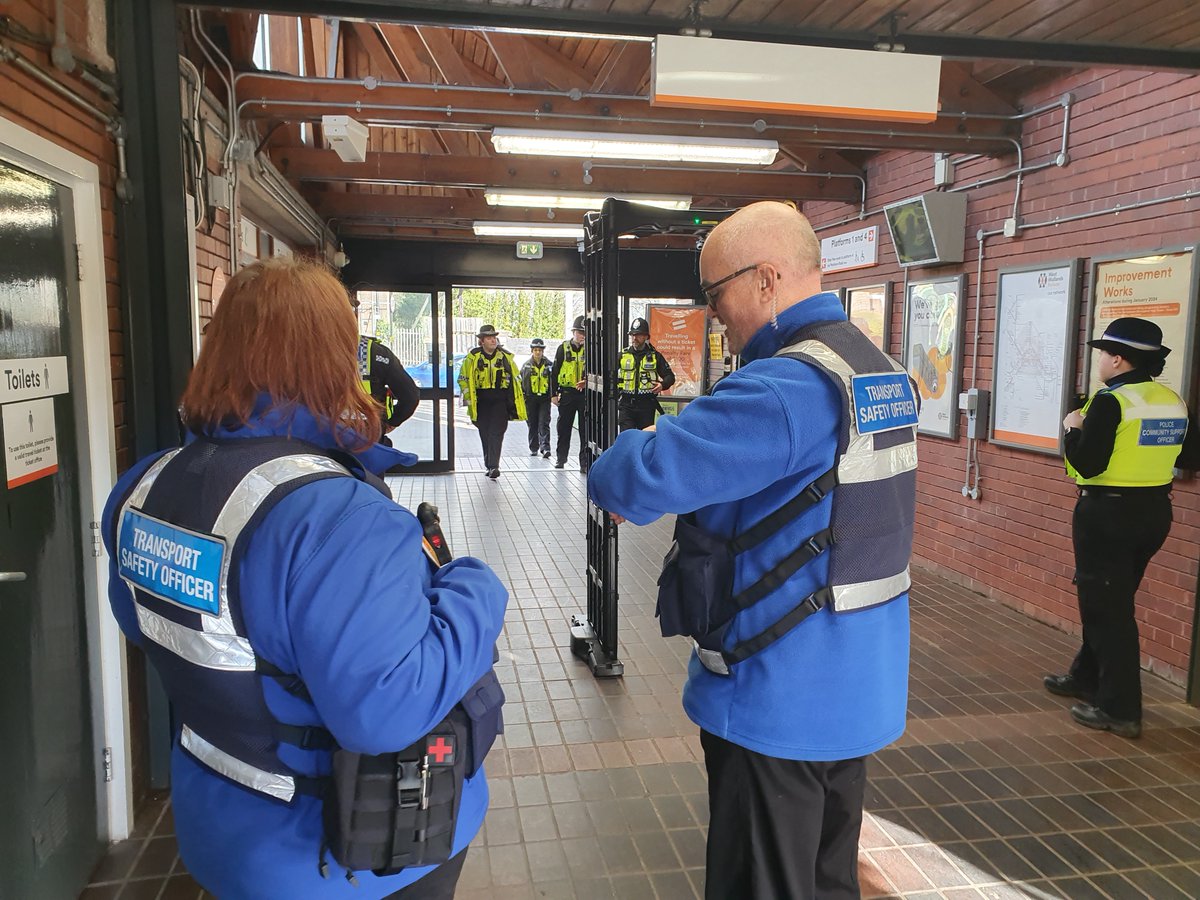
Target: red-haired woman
pixel 287 604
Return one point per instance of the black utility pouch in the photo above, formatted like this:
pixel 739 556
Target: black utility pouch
pixel 483 704
pixel 696 582
pixel 388 812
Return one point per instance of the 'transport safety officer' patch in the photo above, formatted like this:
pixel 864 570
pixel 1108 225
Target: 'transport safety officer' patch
pixel 883 402
pixel 174 564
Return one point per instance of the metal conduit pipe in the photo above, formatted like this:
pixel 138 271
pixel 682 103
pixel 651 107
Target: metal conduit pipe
pixel 114 125
pixel 536 115
pixel 284 195
pixel 231 119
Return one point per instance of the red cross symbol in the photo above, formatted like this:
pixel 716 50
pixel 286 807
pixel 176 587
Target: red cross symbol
pixel 441 752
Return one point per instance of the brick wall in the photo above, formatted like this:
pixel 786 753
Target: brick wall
pixel 1133 138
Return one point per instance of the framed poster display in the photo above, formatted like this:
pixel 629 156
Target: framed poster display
pixel 680 333
pixel 1161 287
pixel 932 350
pixel 1037 311
pixel 869 308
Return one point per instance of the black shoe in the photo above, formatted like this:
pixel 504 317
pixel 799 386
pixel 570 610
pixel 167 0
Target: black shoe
pixel 1066 686
pixel 545 454
pixel 533 453
pixel 1095 717
pixel 559 465
pixel 493 473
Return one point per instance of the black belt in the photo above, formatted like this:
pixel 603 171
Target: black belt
pixel 1127 493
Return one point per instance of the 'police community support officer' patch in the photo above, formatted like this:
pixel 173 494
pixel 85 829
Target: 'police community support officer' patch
pixel 174 564
pixel 883 402
pixel 1162 432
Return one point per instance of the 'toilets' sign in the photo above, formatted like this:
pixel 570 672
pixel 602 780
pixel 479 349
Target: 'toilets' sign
pixel 853 250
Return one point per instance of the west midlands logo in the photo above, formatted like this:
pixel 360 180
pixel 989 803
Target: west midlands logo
pixel 1042 279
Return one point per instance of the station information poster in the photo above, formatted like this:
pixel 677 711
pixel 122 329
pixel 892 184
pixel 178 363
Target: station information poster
pixel 1036 316
pixel 870 311
pixel 680 333
pixel 933 350
pixel 1161 288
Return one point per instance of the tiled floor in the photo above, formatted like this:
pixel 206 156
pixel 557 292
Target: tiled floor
pixel 598 788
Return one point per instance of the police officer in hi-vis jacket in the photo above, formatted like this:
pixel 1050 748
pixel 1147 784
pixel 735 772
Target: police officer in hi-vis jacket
pixel 536 376
pixel 566 386
pixel 491 391
pixel 1121 449
pixel 642 374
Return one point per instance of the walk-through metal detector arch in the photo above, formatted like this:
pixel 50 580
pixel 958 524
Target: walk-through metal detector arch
pixel 612 274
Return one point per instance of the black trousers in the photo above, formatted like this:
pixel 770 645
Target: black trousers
pixel 491 418
pixel 537 409
pixel 633 414
pixel 1115 538
pixel 781 829
pixel 570 406
pixel 437 885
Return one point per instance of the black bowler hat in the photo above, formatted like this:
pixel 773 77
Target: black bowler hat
pixel 1126 334
pixel 488 331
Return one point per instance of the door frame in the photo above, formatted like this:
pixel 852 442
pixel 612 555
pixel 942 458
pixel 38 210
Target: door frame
pixel 91 389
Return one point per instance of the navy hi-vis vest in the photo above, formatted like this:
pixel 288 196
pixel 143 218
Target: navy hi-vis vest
pixel 181 535
pixel 869 538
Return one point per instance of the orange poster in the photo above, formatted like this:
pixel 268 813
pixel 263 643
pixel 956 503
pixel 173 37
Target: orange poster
pixel 679 333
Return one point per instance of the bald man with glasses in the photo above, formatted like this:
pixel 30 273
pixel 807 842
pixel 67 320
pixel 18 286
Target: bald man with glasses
pixel 794 482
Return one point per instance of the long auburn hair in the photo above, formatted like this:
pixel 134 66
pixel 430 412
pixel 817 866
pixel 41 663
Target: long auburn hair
pixel 283 327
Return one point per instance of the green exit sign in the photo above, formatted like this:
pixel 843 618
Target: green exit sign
pixel 529 249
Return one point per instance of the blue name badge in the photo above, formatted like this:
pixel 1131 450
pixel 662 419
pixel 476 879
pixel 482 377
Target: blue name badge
pixel 1162 432
pixel 883 402
pixel 172 563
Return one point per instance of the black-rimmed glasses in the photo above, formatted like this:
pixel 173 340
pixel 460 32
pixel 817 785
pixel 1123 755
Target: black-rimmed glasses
pixel 710 292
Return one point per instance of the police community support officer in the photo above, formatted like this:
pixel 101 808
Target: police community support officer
pixel 1121 449
pixel 805 669
pixel 535 383
pixel 642 374
pixel 385 379
pixel 567 386
pixel 491 390
pixel 322 635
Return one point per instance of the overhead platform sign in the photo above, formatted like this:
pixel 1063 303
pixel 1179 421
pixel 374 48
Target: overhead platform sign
pixel 711 73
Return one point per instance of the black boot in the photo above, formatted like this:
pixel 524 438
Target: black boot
pixel 1095 717
pixel 1067 686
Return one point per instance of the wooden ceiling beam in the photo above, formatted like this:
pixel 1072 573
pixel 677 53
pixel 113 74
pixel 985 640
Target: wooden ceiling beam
pixel 432 107
pixel 819 159
pixel 962 92
pixel 624 69
pixel 242 29
pixel 445 55
pixel 411 54
pixel 305 164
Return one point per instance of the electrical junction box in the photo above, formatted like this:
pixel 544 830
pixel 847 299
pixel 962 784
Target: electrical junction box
pixel 347 137
pixel 943 170
pixel 976 403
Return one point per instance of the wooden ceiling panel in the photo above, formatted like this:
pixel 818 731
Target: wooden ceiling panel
pixel 1167 29
pixel 753 11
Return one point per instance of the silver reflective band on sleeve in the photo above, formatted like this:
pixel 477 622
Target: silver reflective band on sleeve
pixel 281 787
pixel 226 652
pixel 711 660
pixel 245 501
pixel 865 594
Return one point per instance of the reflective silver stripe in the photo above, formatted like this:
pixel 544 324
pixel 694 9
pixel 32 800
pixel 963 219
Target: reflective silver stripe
pixel 861 462
pixel 870 593
pixel 212 651
pixel 271 783
pixel 245 500
pixel 711 660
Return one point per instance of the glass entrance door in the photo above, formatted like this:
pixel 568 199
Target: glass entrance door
pixel 415 325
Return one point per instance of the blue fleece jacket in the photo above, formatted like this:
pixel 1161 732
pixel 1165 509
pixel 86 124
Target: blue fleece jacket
pixel 334 587
pixel 835 687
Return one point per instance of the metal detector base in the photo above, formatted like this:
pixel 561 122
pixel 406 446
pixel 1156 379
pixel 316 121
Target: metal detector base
pixel 587 647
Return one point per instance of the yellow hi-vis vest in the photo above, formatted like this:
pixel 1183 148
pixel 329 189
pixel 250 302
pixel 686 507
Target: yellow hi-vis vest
pixel 635 379
pixel 539 377
pixel 480 373
pixel 571 372
pixel 365 347
pixel 1153 423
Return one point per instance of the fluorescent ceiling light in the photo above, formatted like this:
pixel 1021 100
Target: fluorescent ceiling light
pixel 529 230
pixel 663 148
pixel 576 199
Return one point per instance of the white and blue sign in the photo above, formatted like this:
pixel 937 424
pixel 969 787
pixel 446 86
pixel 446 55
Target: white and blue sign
pixel 883 402
pixel 171 563
pixel 1162 432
